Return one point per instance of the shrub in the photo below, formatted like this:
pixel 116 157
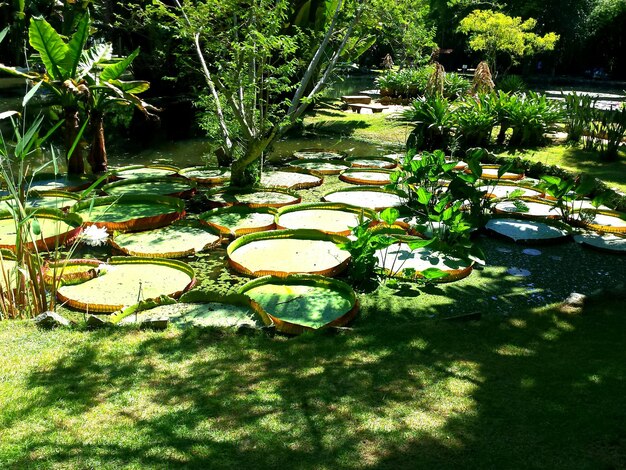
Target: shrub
pixel 475 118
pixel 579 115
pixel 531 116
pixel 511 84
pixel 433 120
pixel 408 82
pixel 456 85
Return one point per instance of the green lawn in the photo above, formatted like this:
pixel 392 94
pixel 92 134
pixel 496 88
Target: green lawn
pixel 577 160
pixel 538 389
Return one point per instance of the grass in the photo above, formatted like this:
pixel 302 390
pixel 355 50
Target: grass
pixel 539 389
pixel 577 160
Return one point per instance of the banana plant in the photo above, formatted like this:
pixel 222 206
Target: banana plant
pixel 84 82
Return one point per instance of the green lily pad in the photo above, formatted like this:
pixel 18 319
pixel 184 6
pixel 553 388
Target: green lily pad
pixel 140 171
pixel 125 280
pixel 166 186
pixel 206 175
pixel 367 197
pixel 317 154
pixel 299 303
pixel 240 220
pixel 533 208
pixel 182 238
pixel 610 242
pixel 290 179
pixel 325 167
pixel 130 212
pixel 528 231
pixel 284 252
pixel 372 162
pixel 48 228
pixel 329 217
pixel 260 197
pixel 366 176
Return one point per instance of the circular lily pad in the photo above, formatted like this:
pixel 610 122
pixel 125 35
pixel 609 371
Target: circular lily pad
pixel 284 252
pixel 366 176
pixel 503 190
pixel 531 208
pixel 166 186
pixel 528 231
pixel 490 172
pixel 328 217
pixel 140 171
pixel 324 167
pixel 400 261
pixel 223 312
pixel 182 238
pixel 398 157
pixel 259 197
pixel 318 154
pixel 367 197
pixel 603 221
pixel 609 242
pixel 372 162
pixel 290 179
pixel 123 281
pixel 52 199
pixel 239 220
pixel 296 304
pixel 206 175
pixel 130 212
pixel 50 182
pixel 48 228
pixel 70 271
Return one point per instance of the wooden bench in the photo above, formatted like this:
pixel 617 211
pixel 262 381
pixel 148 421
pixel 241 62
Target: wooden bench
pixel 356 99
pixel 376 108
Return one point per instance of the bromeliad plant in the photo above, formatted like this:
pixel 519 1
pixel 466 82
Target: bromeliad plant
pixel 434 122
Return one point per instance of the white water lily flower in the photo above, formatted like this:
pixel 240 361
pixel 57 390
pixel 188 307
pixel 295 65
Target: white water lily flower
pixel 94 236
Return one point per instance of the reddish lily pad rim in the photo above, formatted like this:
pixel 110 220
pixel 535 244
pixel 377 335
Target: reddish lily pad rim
pixel 184 193
pixel 237 209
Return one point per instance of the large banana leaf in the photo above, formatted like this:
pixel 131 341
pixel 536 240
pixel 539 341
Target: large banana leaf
pixel 50 46
pixel 76 45
pixel 114 71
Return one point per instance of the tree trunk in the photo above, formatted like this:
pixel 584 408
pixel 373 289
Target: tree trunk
pixel 245 171
pixel 75 163
pixel 97 157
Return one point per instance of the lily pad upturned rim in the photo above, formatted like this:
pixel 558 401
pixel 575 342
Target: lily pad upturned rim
pixel 73 220
pixel 210 180
pixel 375 189
pixel 118 260
pixel 185 193
pixel 135 224
pixel 240 209
pixel 35 194
pixel 309 234
pixel 73 277
pixel 301 171
pixel 391 162
pixel 255 189
pixel 332 206
pixel 536 241
pixel 604 228
pixel 78 183
pixel 525 215
pixel 323 171
pixel 171 254
pixel 347 177
pixel 299 279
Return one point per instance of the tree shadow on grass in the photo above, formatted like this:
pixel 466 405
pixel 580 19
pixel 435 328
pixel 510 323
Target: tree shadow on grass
pixel 343 128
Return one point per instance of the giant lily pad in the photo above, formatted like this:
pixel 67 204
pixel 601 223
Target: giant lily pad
pixel 259 197
pixel 50 182
pixel 490 172
pixel 52 199
pixel 603 221
pixel 284 252
pixel 528 208
pixel 140 171
pixel 166 186
pixel 399 260
pixel 322 166
pixel 130 212
pixel 239 220
pixel 504 190
pixel 291 179
pixel 198 309
pixel 367 197
pixel 71 271
pixel 328 217
pixel 299 303
pixel 372 162
pixel 366 176
pixel 125 280
pixel 609 242
pixel 48 228
pixel 182 238
pixel 318 154
pixel 528 231
pixel 206 174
